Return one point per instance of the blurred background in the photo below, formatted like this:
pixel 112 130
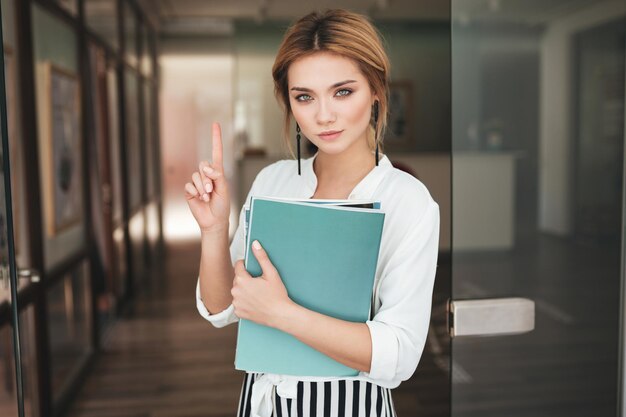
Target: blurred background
pixel 510 112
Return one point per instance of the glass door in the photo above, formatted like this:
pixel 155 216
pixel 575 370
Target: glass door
pixel 12 395
pixel 537 206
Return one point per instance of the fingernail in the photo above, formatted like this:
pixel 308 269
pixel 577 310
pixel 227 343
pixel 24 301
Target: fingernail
pixel 208 187
pixel 256 245
pixel 208 170
pixel 205 197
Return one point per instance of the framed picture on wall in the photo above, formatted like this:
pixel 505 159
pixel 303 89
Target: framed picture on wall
pixel 399 133
pixel 61 147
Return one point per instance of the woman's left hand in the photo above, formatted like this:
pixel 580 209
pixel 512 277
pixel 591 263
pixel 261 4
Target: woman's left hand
pixel 263 299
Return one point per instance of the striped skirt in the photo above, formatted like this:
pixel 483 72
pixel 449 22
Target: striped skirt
pixel 339 398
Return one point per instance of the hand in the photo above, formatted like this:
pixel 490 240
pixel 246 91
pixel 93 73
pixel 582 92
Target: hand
pixel 207 195
pixel 264 299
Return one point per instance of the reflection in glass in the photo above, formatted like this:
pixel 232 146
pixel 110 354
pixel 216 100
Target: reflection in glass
pixel 69 326
pixel 101 17
pixel 538 153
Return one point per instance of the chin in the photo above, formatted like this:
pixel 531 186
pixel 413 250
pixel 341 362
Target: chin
pixel 331 148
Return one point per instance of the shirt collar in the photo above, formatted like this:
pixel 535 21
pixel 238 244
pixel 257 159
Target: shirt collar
pixel 364 189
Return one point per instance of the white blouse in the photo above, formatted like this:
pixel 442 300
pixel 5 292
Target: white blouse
pixel 404 279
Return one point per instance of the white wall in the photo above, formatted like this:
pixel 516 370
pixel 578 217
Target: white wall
pixel 556 111
pixel 196 89
pixel 259 117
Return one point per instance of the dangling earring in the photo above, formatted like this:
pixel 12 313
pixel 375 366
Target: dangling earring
pixel 298 140
pixel 376 128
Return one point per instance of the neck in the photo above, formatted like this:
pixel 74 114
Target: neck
pixel 352 164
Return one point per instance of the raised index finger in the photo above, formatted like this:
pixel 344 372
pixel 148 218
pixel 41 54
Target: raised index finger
pixel 217 147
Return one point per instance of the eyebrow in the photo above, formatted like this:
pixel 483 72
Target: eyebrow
pixel 339 84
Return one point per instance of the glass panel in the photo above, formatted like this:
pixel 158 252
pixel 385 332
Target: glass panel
pixel 69 326
pixel 133 149
pixel 59 135
pixel 100 187
pixel 101 17
pixel 149 139
pixel 11 55
pixel 25 361
pixel 114 143
pixel 130 34
pixel 119 253
pixel 8 392
pixel 538 153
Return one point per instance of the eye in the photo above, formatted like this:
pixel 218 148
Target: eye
pixel 344 92
pixel 303 97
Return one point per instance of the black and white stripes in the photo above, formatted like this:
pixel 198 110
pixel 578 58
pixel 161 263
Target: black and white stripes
pixel 338 398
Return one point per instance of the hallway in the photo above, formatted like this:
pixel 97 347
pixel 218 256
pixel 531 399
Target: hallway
pixel 512 117
pixel 154 360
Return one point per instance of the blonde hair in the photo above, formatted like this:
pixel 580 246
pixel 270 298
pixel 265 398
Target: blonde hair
pixel 348 34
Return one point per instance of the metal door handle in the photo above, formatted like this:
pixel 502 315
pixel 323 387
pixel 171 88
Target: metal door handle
pixel 487 317
pixel 28 273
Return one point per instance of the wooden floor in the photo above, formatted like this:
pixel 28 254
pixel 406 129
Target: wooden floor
pixel 164 359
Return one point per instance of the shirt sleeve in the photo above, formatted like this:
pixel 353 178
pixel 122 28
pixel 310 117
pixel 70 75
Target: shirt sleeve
pixel 237 250
pixel 400 326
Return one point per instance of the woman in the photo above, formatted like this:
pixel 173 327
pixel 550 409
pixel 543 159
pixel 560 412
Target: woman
pixel 331 75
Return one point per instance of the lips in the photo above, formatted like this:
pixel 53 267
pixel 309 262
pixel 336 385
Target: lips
pixel 330 134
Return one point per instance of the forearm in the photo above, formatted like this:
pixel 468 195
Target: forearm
pixel 346 342
pixel 216 271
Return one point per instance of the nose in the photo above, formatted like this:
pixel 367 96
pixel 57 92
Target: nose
pixel 325 112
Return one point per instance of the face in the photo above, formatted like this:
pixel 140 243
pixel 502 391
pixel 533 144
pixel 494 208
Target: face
pixel 331 100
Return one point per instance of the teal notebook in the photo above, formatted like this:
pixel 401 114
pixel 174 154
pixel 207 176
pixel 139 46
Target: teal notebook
pixel 344 203
pixel 326 255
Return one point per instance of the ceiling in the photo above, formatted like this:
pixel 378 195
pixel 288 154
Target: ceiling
pixel 218 16
pixel 289 9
